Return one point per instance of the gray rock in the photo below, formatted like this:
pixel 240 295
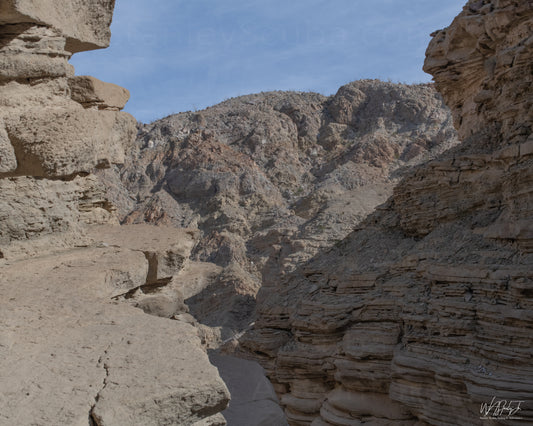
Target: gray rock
pixel 271 179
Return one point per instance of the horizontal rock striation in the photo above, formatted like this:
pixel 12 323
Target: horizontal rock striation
pixel 423 314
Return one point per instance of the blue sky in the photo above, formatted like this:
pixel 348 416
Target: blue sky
pixel 179 55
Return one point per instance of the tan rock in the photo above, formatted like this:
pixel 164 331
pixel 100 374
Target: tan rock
pixel 70 353
pixel 167 249
pixel 85 24
pixel 481 66
pixel 59 142
pixel 32 51
pixel 91 92
pixel 32 208
pixel 8 161
pixel 16 96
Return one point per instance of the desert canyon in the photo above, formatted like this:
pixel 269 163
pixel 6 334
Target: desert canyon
pixel 369 252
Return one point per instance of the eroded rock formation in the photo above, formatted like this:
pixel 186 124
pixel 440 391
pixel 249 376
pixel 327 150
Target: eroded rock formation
pixel 51 135
pixel 72 349
pixel 423 313
pixel 272 178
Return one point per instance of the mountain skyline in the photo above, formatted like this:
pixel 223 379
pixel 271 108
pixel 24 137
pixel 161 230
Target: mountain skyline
pixel 176 56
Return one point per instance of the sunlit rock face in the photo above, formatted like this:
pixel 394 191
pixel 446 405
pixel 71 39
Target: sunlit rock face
pixel 83 24
pixel 423 313
pixel 73 350
pixel 55 128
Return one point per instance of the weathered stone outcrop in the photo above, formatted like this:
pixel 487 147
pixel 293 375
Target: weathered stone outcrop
pixel 35 213
pixel 83 24
pixel 91 92
pixel 76 347
pixel 272 178
pixel 52 124
pixel 423 313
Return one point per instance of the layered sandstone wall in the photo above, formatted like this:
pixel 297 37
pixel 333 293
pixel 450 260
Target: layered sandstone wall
pixel 55 128
pixel 423 313
pixel 76 347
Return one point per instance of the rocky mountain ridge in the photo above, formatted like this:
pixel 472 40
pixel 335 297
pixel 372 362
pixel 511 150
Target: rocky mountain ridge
pixel 270 179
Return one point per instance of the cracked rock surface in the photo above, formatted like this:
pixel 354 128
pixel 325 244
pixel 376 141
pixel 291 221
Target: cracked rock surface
pixel 70 353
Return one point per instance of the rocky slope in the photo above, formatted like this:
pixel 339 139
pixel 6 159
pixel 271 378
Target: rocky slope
pixel 73 351
pixel 270 179
pixel 423 313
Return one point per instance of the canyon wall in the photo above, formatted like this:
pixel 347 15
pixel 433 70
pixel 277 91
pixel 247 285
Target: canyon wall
pixel 73 349
pixel 424 312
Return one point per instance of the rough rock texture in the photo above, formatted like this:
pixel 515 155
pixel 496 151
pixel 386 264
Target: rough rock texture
pixel 91 92
pixel 33 212
pixel 71 355
pixel 84 24
pixel 32 51
pixel 44 133
pixel 55 137
pixel 272 178
pixel 423 313
pixel 93 328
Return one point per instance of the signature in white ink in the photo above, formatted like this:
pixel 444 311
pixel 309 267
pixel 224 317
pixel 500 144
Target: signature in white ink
pixel 500 409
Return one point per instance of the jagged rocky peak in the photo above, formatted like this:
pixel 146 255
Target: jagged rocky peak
pixel 422 314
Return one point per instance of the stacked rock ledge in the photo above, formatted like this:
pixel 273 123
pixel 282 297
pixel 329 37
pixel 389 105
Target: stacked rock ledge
pixel 73 350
